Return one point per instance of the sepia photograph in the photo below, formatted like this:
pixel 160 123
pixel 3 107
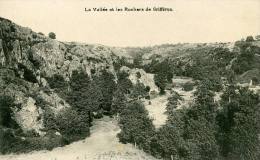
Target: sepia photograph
pixel 129 80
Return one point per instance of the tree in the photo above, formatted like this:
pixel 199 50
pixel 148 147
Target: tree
pixel 160 81
pixel 238 122
pixel 257 37
pixel 173 101
pixel 255 80
pixel 139 91
pixel 58 83
pixel 78 95
pixel 188 86
pixel 124 83
pixel 168 141
pixel 200 125
pixel 119 101
pixel 40 33
pixel 138 61
pixel 249 39
pixel 52 35
pixel 138 75
pixel 204 103
pixel 136 126
pixel 6 120
pixel 107 85
pixel 199 135
pixel 72 124
pixel 93 97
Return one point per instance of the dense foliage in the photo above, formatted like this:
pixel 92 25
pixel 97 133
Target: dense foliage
pixel 136 126
pixel 238 122
pixel 205 130
pixel 6 104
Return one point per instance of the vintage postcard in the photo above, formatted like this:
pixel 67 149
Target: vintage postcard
pixel 129 79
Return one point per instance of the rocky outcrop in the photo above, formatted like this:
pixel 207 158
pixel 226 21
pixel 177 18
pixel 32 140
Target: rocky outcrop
pixel 146 78
pixel 28 58
pixel 54 101
pixel 21 48
pixel 29 116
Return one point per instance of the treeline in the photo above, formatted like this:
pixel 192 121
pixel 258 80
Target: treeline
pixel 203 131
pixel 203 62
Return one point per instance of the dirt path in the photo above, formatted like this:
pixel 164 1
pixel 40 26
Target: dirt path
pixel 157 109
pixel 101 145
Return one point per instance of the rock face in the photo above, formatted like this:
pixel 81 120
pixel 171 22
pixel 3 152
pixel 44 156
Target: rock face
pixel 28 117
pixel 146 78
pixel 29 58
pixel 56 103
pixel 22 48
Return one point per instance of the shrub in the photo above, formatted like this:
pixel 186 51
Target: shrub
pixel 34 59
pixel 257 37
pixel 136 126
pixel 249 39
pixel 188 86
pixel 28 74
pixel 173 102
pixel 138 75
pixel 6 120
pixel 238 121
pixel 72 124
pixel 52 35
pixel 40 33
pixel 255 80
pixel 7 140
pixel 107 86
pixel 160 81
pixel 147 88
pixel 34 36
pixel 139 91
pixel 12 143
pixel 56 82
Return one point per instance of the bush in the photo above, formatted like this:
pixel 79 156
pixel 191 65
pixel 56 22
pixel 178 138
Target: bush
pixel 257 37
pixel 52 35
pixel 249 39
pixel 28 74
pixel 138 75
pixel 136 126
pixel 12 143
pixel 238 121
pixel 7 140
pixel 6 120
pixel 139 91
pixel 40 33
pixel 188 86
pixel 72 124
pixel 173 102
pixel 160 81
pixel 255 81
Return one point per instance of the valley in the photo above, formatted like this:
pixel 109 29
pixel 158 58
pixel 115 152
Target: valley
pixel 71 100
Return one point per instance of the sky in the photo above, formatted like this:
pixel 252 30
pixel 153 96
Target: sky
pixel 192 21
